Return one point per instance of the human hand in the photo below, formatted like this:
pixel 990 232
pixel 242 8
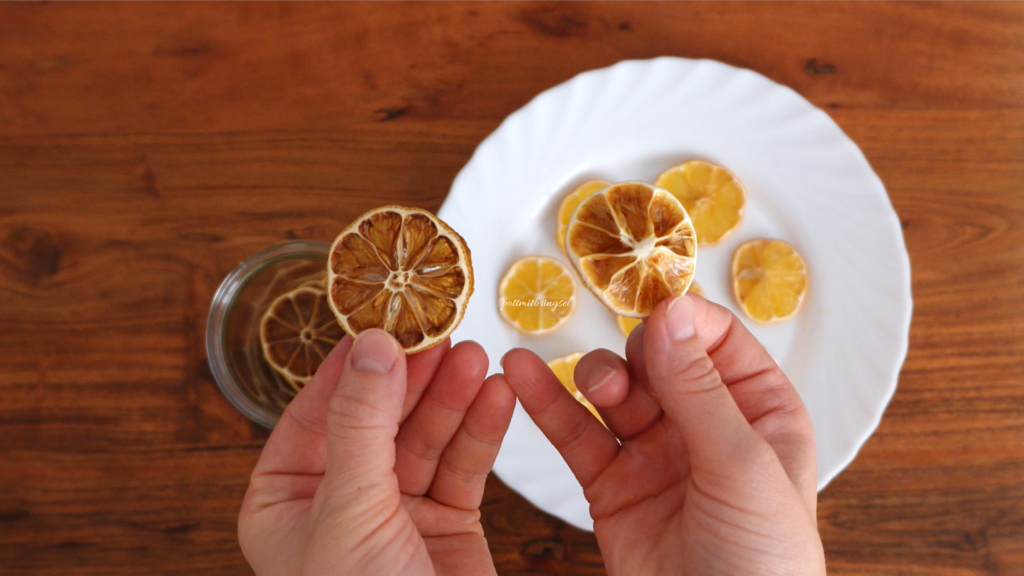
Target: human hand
pixel 715 473
pixel 378 465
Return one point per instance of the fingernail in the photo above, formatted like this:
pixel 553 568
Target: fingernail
pixel 600 377
pixel 502 361
pixel 373 351
pixel 679 319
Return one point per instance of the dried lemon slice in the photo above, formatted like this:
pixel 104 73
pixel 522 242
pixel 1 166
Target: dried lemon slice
pixel 296 333
pixel 626 324
pixel 632 245
pixel 712 196
pixel 537 295
pixel 402 270
pixel 564 367
pixel 571 202
pixel 317 283
pixel 769 279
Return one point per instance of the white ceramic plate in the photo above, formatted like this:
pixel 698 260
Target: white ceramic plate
pixel 807 183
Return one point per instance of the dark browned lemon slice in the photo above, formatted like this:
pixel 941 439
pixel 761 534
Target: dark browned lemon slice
pixel 401 270
pixel 626 323
pixel 318 283
pixel 571 202
pixel 297 332
pixel 632 245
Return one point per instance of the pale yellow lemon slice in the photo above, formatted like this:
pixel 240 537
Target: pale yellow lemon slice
pixel 712 196
pixel 769 280
pixel 537 295
pixel 564 367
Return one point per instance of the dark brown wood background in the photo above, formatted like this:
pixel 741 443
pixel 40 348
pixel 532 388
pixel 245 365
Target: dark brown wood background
pixel 145 149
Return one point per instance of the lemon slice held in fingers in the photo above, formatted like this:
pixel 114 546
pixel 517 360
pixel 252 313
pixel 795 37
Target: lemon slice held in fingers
pixel 402 270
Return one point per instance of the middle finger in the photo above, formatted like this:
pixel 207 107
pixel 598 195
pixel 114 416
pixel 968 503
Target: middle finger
pixel 425 434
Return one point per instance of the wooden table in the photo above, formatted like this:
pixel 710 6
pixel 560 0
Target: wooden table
pixel 145 149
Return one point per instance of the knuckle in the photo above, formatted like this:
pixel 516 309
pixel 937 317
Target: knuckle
pixel 699 373
pixel 439 402
pixel 352 412
pixel 343 406
pixel 419 448
pixel 304 421
pixel 572 434
pixel 462 473
pixel 482 438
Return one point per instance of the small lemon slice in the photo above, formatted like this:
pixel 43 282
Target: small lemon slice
pixel 537 295
pixel 769 280
pixel 712 196
pixel 564 367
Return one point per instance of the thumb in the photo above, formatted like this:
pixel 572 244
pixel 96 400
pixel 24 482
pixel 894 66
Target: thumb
pixel 364 412
pixel 689 388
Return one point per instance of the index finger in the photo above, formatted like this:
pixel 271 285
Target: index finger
pixel 585 445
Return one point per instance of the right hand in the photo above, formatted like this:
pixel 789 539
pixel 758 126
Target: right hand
pixel 715 473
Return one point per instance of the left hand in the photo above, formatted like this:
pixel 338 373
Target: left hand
pixel 378 465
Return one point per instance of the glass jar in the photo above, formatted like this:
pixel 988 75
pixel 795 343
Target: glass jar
pixel 232 329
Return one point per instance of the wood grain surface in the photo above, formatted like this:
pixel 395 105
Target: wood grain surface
pixel 146 148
